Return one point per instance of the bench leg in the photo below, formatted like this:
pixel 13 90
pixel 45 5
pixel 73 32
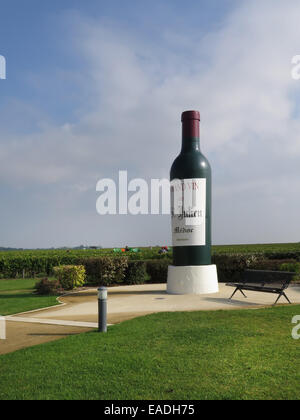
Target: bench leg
pixel 279 296
pixel 243 293
pixel 236 291
pixel 282 294
pixel 287 298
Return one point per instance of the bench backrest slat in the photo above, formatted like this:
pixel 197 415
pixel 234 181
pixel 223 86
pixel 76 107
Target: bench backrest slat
pixel 278 279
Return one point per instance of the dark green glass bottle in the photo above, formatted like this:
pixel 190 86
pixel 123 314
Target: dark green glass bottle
pixel 191 174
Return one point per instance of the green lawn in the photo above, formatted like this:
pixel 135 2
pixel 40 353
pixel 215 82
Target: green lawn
pixel 239 354
pixel 17 295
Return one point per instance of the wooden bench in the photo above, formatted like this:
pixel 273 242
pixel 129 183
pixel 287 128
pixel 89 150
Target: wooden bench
pixel 264 281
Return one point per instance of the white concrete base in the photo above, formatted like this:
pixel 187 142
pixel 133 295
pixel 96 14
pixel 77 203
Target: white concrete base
pixel 192 280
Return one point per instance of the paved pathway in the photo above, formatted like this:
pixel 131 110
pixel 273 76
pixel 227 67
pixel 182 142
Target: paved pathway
pixel 128 302
pixel 21 335
pixel 52 322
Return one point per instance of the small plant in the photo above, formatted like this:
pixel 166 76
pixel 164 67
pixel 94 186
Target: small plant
pixel 48 287
pixel 70 276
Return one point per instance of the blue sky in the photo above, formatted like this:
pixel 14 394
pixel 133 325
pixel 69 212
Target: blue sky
pixel 36 40
pixel 96 87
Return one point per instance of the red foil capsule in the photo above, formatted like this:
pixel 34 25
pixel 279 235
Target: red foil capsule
pixel 190 124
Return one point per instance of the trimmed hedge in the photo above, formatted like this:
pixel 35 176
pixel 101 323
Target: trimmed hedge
pixel 136 273
pixel 231 267
pixel 290 266
pixel 13 267
pixel 282 255
pixel 110 270
pixel 105 271
pixel 158 270
pixel 28 264
pixel 273 265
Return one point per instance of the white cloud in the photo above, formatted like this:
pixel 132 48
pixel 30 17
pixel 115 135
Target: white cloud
pixel 239 77
pixel 137 97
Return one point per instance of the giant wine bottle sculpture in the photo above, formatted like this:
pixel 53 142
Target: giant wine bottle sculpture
pixel 192 271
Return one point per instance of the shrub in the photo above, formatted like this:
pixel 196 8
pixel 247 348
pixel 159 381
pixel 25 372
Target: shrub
pixel 48 287
pixel 92 269
pixel 105 271
pixel 136 273
pixel 120 265
pixel 295 255
pixel 294 267
pixel 158 270
pixel 273 265
pixel 231 266
pixel 70 276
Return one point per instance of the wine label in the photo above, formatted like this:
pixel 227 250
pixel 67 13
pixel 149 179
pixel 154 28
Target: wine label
pixel 188 211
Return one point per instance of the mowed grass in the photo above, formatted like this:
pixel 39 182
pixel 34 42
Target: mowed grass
pixel 17 295
pixel 240 354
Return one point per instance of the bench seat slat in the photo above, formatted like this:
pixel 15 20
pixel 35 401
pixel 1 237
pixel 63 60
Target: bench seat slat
pixel 275 286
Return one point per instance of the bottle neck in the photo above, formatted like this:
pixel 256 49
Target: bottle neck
pixel 190 136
